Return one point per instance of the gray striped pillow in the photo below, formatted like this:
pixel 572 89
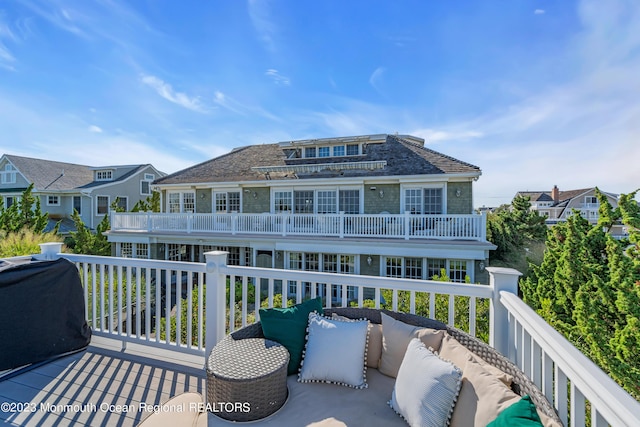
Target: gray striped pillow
pixel 426 387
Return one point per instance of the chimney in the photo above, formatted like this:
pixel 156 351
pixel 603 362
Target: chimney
pixel 555 194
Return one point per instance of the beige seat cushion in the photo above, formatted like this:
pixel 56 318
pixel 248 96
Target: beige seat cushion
pixel 452 350
pixel 186 409
pixel 482 397
pixel 396 336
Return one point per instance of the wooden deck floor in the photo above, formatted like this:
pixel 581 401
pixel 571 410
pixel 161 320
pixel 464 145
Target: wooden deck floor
pixel 92 383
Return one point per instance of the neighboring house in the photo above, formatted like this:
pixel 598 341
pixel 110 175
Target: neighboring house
pixel 558 205
pixel 374 205
pixel 63 187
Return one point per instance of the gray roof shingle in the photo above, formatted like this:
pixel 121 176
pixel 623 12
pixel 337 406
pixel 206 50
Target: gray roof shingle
pixel 51 175
pixel 403 157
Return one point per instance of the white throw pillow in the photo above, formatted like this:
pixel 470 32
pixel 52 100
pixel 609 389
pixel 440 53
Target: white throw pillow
pixel 426 387
pixel 335 352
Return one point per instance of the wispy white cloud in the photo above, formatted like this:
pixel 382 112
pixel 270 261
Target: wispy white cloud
pixel 59 15
pixel 95 129
pixel 166 91
pixel 7 59
pixel 539 12
pixel 230 104
pixel 432 136
pixel 263 22
pixel 278 78
pixel 376 78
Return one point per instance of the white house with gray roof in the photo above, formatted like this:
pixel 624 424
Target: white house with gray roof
pixel 62 187
pixel 374 204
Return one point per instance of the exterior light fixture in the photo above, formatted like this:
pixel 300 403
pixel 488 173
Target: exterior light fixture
pixel 481 266
pixel 369 260
pixel 458 192
pixel 381 193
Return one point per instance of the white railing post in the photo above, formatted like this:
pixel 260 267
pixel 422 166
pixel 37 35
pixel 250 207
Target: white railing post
pixel 407 225
pixel 50 251
pixel 215 306
pixel 149 225
pixel 234 222
pixel 342 219
pixel 482 235
pixel 501 279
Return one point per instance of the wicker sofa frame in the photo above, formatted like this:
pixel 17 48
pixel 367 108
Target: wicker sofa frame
pixel 521 385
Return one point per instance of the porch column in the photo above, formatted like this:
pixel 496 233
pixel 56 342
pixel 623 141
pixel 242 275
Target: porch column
pixel 50 251
pixel 215 316
pixel 501 279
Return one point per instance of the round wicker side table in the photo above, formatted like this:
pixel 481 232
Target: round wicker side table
pixel 246 378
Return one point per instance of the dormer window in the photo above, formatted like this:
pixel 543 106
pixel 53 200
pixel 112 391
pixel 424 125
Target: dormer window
pixel 104 175
pixel 353 149
pixel 332 151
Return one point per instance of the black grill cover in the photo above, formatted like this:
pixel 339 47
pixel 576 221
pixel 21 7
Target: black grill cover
pixel 42 312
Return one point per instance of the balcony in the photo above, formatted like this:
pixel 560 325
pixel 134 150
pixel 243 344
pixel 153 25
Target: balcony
pixel 135 359
pixel 399 226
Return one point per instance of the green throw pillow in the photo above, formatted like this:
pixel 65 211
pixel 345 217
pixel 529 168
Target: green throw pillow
pixel 288 326
pixel 521 414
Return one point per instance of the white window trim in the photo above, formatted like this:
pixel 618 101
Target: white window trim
pixel 56 203
pixel 404 187
pixel 149 177
pixel 105 171
pixel 470 266
pixel 73 204
pixel 315 190
pixel 8 174
pixel 150 191
pixel 108 204
pixel 182 193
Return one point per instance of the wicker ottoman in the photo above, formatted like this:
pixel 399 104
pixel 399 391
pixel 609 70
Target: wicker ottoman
pixel 246 378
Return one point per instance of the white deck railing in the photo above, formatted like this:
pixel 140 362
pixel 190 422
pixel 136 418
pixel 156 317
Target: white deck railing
pixel 341 225
pixel 115 309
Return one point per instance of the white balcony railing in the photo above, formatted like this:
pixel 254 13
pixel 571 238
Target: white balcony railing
pixel 119 290
pixel 341 225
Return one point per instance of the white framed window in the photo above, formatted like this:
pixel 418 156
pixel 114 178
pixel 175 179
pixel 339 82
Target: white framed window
pixel 142 250
pixel 324 151
pixel 327 202
pixel 145 188
pixel 149 176
pixel 10 201
pixel 435 267
pixel 126 250
pixel 338 150
pixel 457 270
pixel 225 202
pixel 282 201
pixel 8 175
pixel 102 205
pixel 414 268
pixel 53 200
pixel 303 202
pixel 181 202
pixel 121 203
pixel 77 204
pixel 310 151
pixel 350 201
pixel 353 149
pixel 427 201
pixel 104 175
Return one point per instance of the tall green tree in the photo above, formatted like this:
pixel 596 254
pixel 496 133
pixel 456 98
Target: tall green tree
pixel 84 241
pixel 512 227
pixel 150 204
pixel 588 287
pixel 24 214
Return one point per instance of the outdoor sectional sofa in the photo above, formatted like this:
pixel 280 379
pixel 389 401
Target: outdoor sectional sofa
pixel 324 404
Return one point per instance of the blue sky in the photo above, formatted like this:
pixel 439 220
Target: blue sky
pixel 535 92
